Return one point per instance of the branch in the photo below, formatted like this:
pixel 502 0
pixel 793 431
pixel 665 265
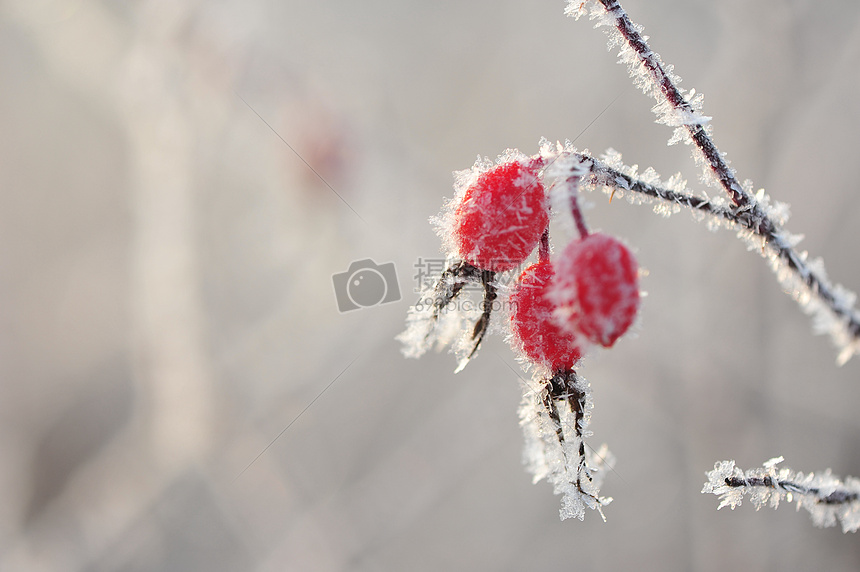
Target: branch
pixel 827 498
pixel 658 80
pixel 759 224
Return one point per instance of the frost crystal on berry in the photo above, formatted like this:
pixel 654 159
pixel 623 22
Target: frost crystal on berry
pixel 497 220
pixel 535 330
pixel 596 288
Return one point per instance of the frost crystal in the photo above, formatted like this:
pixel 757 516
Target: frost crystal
pixel 827 499
pixel 428 326
pixel 463 180
pixel 575 9
pixel 437 319
pixel 554 415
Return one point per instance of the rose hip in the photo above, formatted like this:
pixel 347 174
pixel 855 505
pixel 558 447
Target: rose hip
pixel 597 288
pixel 534 326
pixel 501 217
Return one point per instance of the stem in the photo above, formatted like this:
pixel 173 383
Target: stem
pixel 578 218
pixel 603 174
pixel 673 96
pixel 562 388
pixel 543 247
pixel 488 278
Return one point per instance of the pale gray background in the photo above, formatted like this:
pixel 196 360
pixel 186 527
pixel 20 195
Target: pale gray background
pixel 166 306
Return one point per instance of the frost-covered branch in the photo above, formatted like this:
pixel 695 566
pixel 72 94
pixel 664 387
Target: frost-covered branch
pixel 554 415
pixel 675 107
pixel 827 498
pixel 832 305
pixel 758 222
pixel 760 225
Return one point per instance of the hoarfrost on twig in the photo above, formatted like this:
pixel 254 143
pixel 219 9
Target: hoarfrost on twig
pixel 554 415
pixel 676 107
pixel 827 499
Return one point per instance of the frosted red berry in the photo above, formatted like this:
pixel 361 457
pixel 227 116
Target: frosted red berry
pixel 597 288
pixel 534 325
pixel 501 217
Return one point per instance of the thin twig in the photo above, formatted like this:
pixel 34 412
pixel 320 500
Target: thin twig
pixel 838 496
pixel 673 96
pixel 578 218
pixel 827 498
pixel 543 246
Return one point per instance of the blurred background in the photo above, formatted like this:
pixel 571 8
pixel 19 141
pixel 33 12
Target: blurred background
pixel 178 390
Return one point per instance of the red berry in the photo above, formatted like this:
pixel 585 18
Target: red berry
pixel 501 217
pixel 597 288
pixel 535 328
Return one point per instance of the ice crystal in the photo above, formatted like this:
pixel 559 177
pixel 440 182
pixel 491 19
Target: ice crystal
pixel 427 328
pixel 444 221
pixel 555 425
pixel 758 222
pixel 828 499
